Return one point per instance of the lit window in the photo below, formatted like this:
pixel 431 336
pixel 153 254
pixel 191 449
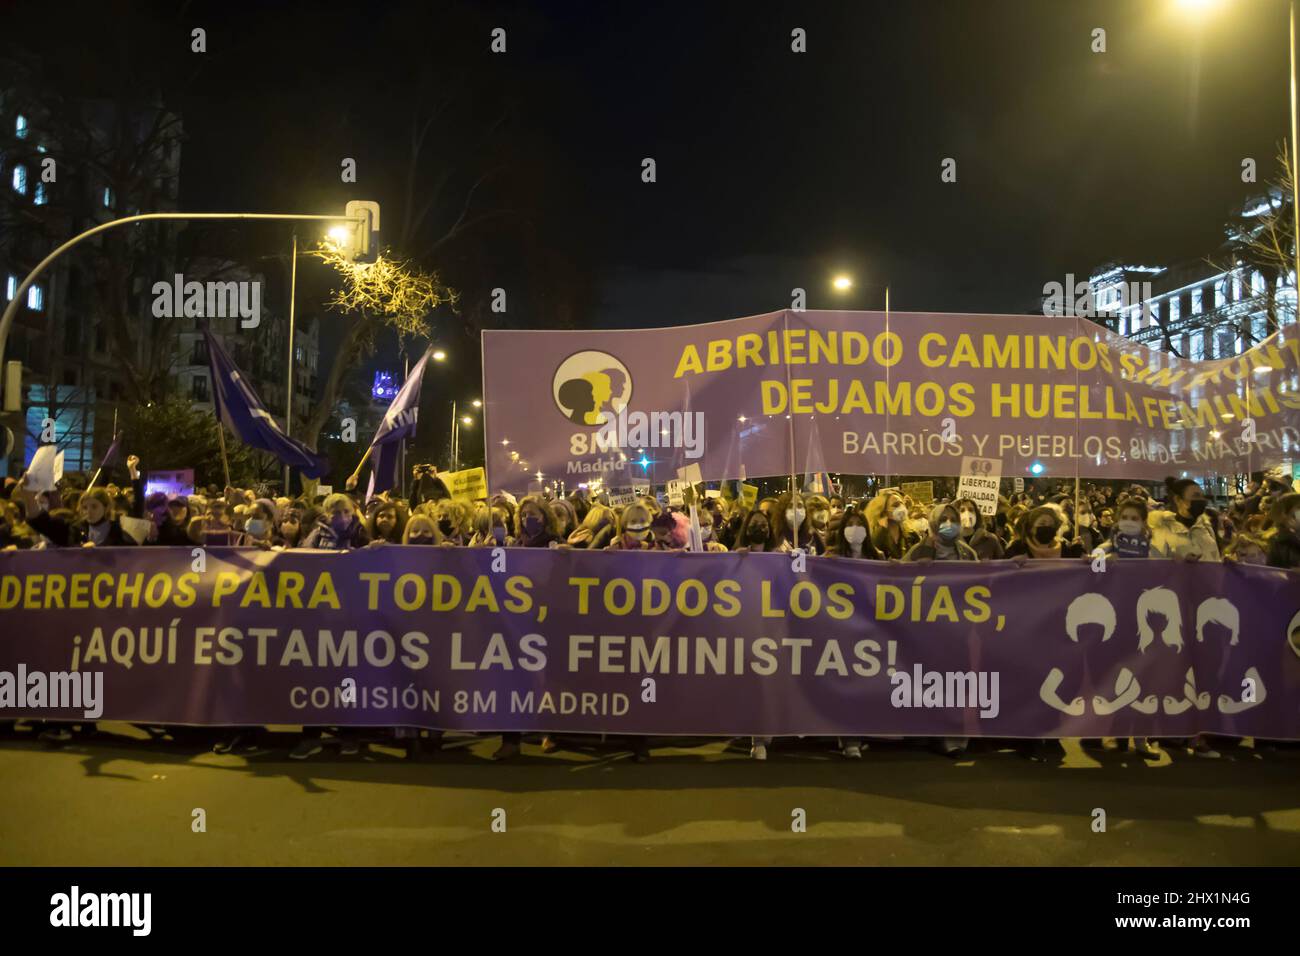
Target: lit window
pixel 20 180
pixel 1175 309
pixel 40 198
pixel 20 126
pixel 1257 284
pixel 35 298
pixel 108 197
pixel 1198 301
pixel 11 286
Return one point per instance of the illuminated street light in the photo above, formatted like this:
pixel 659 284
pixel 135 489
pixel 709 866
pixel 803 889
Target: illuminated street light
pixel 439 355
pixel 466 420
pixel 842 283
pixel 477 403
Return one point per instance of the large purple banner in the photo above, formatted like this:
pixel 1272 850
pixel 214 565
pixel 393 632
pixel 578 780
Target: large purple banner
pixel 870 393
pixel 653 643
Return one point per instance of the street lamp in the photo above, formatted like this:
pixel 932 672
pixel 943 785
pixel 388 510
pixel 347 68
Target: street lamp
pixel 364 216
pixel 842 283
pixel 439 356
pixel 456 422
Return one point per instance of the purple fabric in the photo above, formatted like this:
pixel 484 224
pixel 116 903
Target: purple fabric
pixel 476 639
pixel 538 385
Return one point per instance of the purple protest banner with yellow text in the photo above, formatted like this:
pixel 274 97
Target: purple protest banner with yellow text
pixel 904 393
pixel 656 642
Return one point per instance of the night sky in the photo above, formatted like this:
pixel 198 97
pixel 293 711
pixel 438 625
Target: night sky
pixel 775 169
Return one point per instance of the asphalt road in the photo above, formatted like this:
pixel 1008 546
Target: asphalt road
pixel 122 799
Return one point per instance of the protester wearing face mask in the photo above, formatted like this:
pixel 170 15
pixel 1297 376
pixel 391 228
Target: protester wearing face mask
pixel 819 516
pixel 886 517
pixel 536 525
pixel 1284 544
pixel 174 528
pixel 1088 534
pixel 1106 522
pixel 944 541
pixel 455 522
pixel 259 526
pixel 338 528
pixel 421 530
pixel 756 533
pixel 708 531
pixel 96 524
pixel 633 532
pixel 852 538
pixel 1184 532
pixel 296 521
pixel 493 529
pixel 1038 536
pixel 985 544
pixel 1131 537
pixel 792 526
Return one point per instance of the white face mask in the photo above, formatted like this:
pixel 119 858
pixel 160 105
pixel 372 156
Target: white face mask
pixel 855 535
pixel 706 531
pixel 1130 526
pixel 794 516
pixel 899 514
pixel 967 520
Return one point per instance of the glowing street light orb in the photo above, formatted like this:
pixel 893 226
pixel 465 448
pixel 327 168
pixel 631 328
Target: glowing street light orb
pixel 842 283
pixel 439 355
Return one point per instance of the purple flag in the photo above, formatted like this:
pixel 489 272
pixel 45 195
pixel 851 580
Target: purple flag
pixel 244 414
pixel 398 424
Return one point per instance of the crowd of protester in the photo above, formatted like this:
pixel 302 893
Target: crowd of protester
pixel 1107 521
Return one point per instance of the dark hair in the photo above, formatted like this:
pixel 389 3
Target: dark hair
pixel 742 536
pixel 1031 516
pixel 1176 486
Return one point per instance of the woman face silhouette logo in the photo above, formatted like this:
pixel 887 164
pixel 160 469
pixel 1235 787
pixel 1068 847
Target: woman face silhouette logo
pixel 590 387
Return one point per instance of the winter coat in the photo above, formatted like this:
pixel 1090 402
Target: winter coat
pixel 1170 538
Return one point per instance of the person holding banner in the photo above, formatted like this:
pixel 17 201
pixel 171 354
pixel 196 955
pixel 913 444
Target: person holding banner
pixel 1184 533
pixel 756 533
pixel 633 529
pixel 708 525
pixel 1039 535
pixel 338 528
pixel 1284 545
pixel 886 516
pixel 852 539
pixel 386 523
pixel 596 530
pixel 96 525
pixel 944 542
pixel 792 527
pixel 985 544
pixel 536 525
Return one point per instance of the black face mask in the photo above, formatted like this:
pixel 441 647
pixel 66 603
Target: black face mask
pixel 758 533
pixel 1044 535
pixel 445 526
pixel 1197 507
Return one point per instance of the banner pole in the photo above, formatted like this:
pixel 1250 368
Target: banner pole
pixel 225 462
